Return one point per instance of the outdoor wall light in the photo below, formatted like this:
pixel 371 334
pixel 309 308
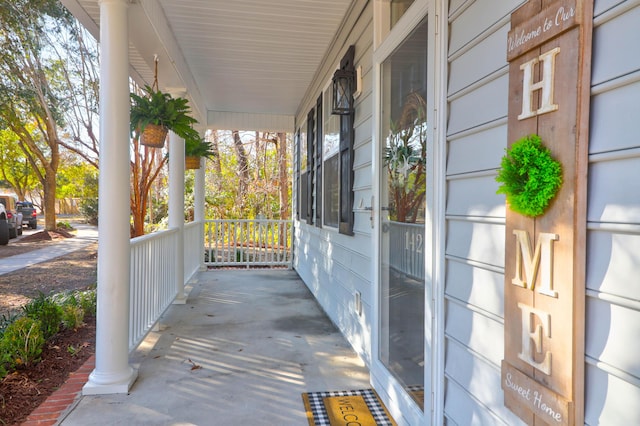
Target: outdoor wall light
pixel 342 92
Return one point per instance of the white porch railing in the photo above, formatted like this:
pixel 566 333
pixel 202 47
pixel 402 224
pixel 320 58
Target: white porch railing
pixel 153 287
pixel 193 250
pixel 227 242
pixel 245 242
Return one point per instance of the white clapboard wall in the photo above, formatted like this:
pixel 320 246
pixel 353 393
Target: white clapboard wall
pixel 613 239
pixel 332 265
pixel 477 97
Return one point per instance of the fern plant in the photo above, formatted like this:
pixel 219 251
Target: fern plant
pixel 198 148
pixel 529 175
pixel 161 109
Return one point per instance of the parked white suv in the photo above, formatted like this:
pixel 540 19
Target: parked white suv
pixel 13 216
pixel 4 226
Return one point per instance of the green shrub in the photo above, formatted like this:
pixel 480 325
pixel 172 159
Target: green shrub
pixel 72 316
pixel 22 334
pixel 84 299
pixel 88 301
pixel 4 362
pixel 64 225
pixel 47 312
pixel 22 342
pixel 89 209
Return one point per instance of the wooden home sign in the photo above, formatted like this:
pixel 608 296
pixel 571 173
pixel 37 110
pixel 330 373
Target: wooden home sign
pixel 549 54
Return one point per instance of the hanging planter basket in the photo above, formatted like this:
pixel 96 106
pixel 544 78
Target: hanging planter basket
pixel 155 113
pixel 194 149
pixel 191 162
pixel 530 176
pixel 154 135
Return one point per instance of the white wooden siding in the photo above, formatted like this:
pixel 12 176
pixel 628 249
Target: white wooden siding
pixel 612 328
pixel 609 400
pixel 461 275
pixel 332 265
pixel 475 195
pixel 478 149
pixel 471 371
pixel 476 241
pixel 476 19
pixel 466 410
pixel 480 105
pixel 612 185
pixel 474 286
pixel 617 109
pixel 615 43
pixel 480 333
pixel 613 262
pixel 472 65
pixel 613 243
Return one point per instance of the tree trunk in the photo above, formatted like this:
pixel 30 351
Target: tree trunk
pixel 145 168
pixel 215 148
pixel 283 179
pixel 261 159
pixel 20 192
pixel 243 168
pixel 49 186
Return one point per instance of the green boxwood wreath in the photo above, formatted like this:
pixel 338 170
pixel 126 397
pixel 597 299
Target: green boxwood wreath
pixel 530 177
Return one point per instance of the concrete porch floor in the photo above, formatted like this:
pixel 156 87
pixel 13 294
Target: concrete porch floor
pixel 260 340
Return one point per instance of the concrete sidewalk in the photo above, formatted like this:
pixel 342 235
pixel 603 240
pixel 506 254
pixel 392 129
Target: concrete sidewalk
pixel 85 235
pixel 242 350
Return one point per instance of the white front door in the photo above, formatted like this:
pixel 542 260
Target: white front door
pixel 403 163
pixel 410 70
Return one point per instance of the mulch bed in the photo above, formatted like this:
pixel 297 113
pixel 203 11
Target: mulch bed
pixel 23 390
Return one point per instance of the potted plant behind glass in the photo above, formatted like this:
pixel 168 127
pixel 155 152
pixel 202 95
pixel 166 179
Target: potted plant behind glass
pixel 194 149
pixel 152 116
pixel 405 158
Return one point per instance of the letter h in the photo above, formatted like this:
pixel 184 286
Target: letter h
pixel 546 84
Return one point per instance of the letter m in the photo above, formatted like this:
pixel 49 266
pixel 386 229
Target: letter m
pixel 542 258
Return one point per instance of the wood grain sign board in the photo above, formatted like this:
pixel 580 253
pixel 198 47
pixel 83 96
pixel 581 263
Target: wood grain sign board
pixel 543 369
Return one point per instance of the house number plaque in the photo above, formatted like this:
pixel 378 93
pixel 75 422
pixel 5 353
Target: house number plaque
pixel 548 49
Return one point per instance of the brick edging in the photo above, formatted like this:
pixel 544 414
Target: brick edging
pixel 57 404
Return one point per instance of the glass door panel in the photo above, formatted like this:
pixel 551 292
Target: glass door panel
pixel 402 197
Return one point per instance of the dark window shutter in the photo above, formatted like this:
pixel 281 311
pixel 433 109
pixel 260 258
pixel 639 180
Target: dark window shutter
pixel 311 126
pixel 297 172
pixel 304 211
pixel 346 157
pixel 318 160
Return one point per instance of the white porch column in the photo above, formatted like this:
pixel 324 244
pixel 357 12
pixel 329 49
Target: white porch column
pixel 112 373
pixel 176 205
pixel 198 214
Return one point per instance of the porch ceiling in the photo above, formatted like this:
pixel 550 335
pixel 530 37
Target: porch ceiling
pixel 241 61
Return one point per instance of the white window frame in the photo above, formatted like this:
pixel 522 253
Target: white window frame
pixel 326 116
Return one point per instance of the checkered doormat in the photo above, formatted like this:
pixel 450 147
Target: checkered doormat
pixel 317 413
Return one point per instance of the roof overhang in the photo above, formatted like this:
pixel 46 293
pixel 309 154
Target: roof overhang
pixel 244 65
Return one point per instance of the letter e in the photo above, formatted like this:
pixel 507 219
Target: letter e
pixel 532 340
